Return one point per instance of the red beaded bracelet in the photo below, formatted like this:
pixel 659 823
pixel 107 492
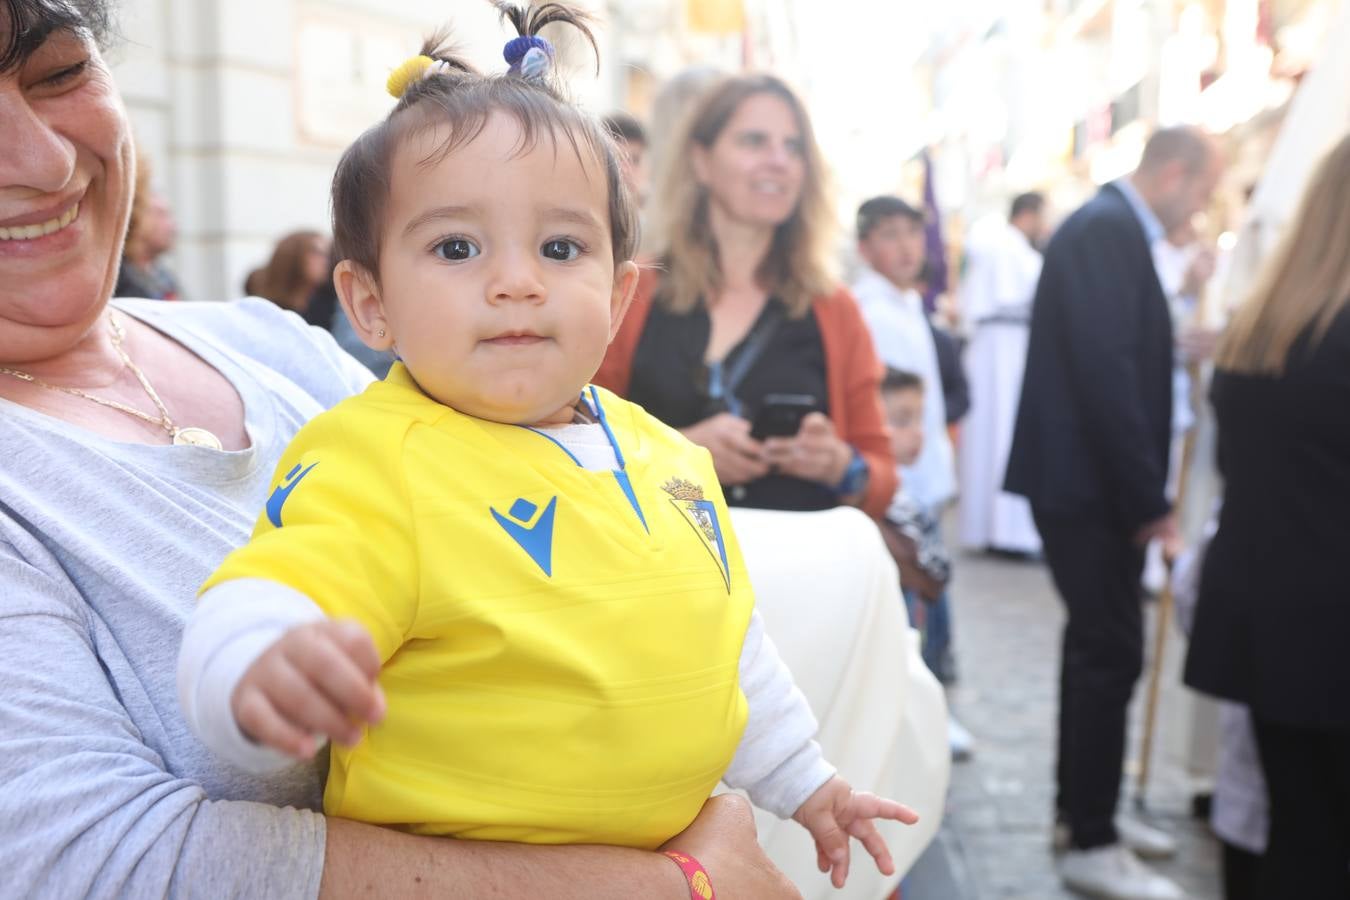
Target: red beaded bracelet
pixel 700 885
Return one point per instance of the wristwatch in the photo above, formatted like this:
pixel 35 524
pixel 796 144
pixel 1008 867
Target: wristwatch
pixel 855 476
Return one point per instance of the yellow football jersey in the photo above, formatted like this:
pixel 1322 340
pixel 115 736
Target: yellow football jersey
pixel 560 645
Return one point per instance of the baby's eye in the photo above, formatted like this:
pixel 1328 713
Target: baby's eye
pixel 456 249
pixel 561 250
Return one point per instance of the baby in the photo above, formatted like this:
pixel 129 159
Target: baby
pixel 512 600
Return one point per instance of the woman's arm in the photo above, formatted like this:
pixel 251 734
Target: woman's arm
pixel 864 421
pixel 87 807
pixel 364 862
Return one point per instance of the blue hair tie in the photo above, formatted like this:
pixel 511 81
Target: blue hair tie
pixel 535 64
pixel 516 48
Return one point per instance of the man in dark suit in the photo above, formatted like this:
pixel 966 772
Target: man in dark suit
pixel 1090 452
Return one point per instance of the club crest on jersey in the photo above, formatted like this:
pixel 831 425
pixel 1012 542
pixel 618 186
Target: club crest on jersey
pixel 701 514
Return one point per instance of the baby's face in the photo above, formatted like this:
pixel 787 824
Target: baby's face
pixel 497 275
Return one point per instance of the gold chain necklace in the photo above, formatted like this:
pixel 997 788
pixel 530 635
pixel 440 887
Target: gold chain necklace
pixel 194 437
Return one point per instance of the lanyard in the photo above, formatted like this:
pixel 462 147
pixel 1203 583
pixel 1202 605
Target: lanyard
pixel 723 380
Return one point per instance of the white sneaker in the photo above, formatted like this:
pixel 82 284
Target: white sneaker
pixel 961 741
pixel 1114 873
pixel 1145 840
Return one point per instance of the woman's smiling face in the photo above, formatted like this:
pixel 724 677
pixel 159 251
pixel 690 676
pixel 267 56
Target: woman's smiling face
pixel 67 167
pixel 756 168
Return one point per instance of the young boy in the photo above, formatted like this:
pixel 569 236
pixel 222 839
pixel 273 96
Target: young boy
pixel 913 534
pixel 915 538
pixel 891 244
pixel 631 139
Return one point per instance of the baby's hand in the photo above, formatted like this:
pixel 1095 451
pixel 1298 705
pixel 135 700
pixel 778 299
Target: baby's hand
pixel 317 680
pixel 834 812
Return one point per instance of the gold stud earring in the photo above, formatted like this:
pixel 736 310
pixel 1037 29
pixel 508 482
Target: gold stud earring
pixel 381 332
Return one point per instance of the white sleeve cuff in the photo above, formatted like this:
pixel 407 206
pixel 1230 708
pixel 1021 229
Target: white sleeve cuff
pixel 232 625
pixel 784 790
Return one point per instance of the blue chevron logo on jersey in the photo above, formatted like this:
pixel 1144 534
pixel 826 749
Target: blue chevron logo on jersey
pixel 283 492
pixel 535 539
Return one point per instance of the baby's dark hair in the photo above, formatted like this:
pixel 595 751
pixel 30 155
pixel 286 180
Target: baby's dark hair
pixel 900 380
pixel 459 96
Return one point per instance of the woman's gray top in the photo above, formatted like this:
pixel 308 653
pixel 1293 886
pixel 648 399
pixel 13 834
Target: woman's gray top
pixel 103 790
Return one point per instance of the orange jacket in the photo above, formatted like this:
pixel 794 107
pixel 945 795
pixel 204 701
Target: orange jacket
pixel 852 375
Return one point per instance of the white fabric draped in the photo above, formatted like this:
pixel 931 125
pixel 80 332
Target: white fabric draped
pixel 996 296
pixel 829 594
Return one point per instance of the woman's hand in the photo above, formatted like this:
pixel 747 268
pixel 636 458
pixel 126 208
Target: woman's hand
pixel 723 839
pixel 816 453
pixel 737 456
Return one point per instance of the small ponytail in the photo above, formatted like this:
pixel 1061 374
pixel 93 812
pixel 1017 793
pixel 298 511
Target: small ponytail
pixel 437 56
pixel 529 55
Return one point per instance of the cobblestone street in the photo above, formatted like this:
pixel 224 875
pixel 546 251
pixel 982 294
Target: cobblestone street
pixel 995 842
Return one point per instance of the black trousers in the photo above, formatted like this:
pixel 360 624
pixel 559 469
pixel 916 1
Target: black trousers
pixel 1241 872
pixel 1096 570
pixel 1308 777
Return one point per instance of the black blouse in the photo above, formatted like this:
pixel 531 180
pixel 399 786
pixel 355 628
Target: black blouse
pixel 1272 623
pixel 671 380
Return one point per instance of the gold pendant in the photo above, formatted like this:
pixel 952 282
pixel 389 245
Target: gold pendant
pixel 196 437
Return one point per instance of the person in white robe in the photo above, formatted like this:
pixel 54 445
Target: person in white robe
pixel 1184 266
pixel 1003 266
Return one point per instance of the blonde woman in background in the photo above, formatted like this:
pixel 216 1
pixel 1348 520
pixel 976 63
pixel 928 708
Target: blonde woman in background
pixel 745 306
pixel 1274 606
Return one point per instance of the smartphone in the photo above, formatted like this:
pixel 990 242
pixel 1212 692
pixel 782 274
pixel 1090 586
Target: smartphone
pixel 780 415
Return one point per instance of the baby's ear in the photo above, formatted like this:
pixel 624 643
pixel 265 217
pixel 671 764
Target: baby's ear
pixel 359 292
pixel 625 286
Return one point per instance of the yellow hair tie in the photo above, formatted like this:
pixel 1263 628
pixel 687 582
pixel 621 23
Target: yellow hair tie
pixel 406 74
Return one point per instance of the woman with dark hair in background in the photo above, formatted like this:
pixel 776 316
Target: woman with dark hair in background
pixel 745 308
pixel 298 266
pixel 151 233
